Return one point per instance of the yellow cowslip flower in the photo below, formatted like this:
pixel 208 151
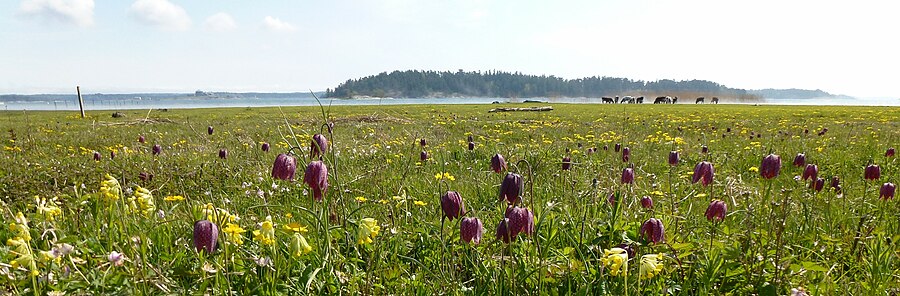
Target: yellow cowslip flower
pixel 48 209
pixel 616 259
pixel 420 203
pixel 361 199
pixel 142 201
pixel 299 246
pixel 754 169
pixel 368 229
pixel 24 257
pixel 266 233
pixel 20 227
pixel 651 265
pixel 174 198
pixel 110 190
pixel 295 227
pixel 234 233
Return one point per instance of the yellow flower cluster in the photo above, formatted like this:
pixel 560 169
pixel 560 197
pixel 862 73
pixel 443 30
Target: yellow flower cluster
pixel 234 233
pixel 48 209
pixel 19 245
pixel 616 259
pixel 368 229
pixel 142 201
pixel 266 233
pixel 444 176
pixel 110 190
pixel 651 265
pixel 174 198
pixel 299 246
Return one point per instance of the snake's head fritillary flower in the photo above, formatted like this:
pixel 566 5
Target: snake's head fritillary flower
pixel 646 202
pixel 873 172
pixel 142 139
pixel 628 176
pixel 521 220
pixel 284 167
pixel 223 154
pixel 471 230
pixel 653 231
pixel 206 236
pixel 618 147
pixel 770 166
pixel 423 156
pixel 452 205
pixel 703 171
pixel 503 232
pixel 716 210
pixel 566 163
pixel 605 147
pixel 887 191
pixel 498 164
pixel 96 156
pixel 811 172
pixel 835 182
pixel 318 146
pixel 800 160
pixel 470 138
pixel 890 152
pixel 704 149
pixel 422 142
pixel 673 158
pixel 209 130
pixel 157 149
pixel 626 154
pixel 471 146
pixel 265 147
pixel 112 154
pixel 511 187
pixel 817 184
pixel 316 177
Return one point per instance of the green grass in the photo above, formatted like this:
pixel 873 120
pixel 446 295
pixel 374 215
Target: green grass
pixel 778 234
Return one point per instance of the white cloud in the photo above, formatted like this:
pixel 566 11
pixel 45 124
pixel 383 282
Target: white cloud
pixel 161 13
pixel 276 24
pixel 77 12
pixel 220 22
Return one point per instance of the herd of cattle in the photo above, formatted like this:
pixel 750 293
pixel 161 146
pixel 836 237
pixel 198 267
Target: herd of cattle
pixel 659 100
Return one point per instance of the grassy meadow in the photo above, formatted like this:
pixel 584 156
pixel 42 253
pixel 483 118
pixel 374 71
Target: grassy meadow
pixel 125 225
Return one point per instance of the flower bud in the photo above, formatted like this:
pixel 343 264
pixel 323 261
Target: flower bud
pixel 223 154
pixel 142 139
pixel 890 152
pixel 605 147
pixel 206 236
pixel 673 158
pixel 887 191
pixel 452 205
pixel 157 149
pixel 716 210
pixel 626 154
pixel 112 154
pixel 811 172
pixel 646 202
pixel 265 147
pixel 316 177
pixel 423 156
pixel 653 231
pixel 873 172
pixel 498 163
pixel 284 167
pixel 318 146
pixel 422 142
pixel 618 147
pixel 628 176
pixel 96 156
pixel 770 166
pixel 703 171
pixel 471 230
pixel 511 188
pixel 704 149
pixel 471 146
pixel 800 160
pixel 470 138
pixel 817 184
pixel 209 130
pixel 566 163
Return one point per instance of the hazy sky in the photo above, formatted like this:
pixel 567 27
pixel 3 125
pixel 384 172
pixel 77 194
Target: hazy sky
pixel 845 47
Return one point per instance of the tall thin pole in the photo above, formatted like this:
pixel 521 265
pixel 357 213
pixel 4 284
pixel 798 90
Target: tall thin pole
pixel 80 100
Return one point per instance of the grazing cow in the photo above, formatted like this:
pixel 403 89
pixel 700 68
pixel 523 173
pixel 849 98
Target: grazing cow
pixel 661 100
pixel 675 100
pixel 640 100
pixel 699 100
pixel 607 100
pixel 617 100
pixel 715 100
pixel 627 100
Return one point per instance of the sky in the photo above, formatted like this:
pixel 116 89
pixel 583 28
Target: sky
pixel 50 46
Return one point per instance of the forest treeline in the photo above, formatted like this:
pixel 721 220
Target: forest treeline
pixel 418 84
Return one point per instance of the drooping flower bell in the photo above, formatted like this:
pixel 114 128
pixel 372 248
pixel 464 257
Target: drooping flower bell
pixel 142 139
pixel 835 182
pixel 452 205
pixel 471 230
pixel 800 160
pixel 873 172
pixel 511 188
pixel 646 202
pixel 206 236
pixel 605 147
pixel 503 233
pixel 423 156
pixel 223 154
pixel 112 154
pixel 618 147
pixel 628 176
pixel 316 177
pixel 673 158
pixel 653 231
pixel 626 154
pixel 498 163
pixel 890 152
pixel 811 172
pixel 716 210
pixel 704 149
pixel 157 149
pixel 521 220
pixel 284 167
pixel 470 138
pixel 368 229
pixel 471 146
pixel 318 146
pixel 887 191
pixel 566 163
pixel 96 156
pixel 770 166
pixel 422 142
pixel 209 130
pixel 265 146
pixel 703 171
pixel 817 184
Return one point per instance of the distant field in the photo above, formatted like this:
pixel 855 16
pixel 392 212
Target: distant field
pixel 778 234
